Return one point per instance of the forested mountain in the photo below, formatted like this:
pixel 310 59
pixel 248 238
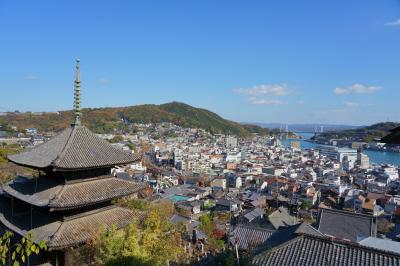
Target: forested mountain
pixel 368 133
pixel 103 120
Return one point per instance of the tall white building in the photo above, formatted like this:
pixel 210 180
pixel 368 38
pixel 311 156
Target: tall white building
pixel 235 157
pixel 363 160
pixel 231 142
pixel 328 151
pixel 336 153
pixel 178 159
pixel 351 154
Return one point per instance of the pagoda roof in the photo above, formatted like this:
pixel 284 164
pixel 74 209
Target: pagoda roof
pixel 72 231
pixel 74 148
pixel 45 192
pixel 83 228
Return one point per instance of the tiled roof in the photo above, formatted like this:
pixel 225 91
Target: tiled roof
pixel 74 148
pixel 383 244
pixel 249 236
pixel 46 193
pixel 176 219
pixel 79 230
pixel 286 233
pixel 315 251
pixel 346 225
pixel 69 232
pixel 253 214
pixel 281 217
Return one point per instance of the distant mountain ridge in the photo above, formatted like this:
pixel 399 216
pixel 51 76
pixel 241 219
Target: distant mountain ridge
pixel 102 120
pixel 307 127
pixel 367 133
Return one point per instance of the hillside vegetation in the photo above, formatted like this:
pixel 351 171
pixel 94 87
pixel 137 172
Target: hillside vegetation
pixel 367 134
pixel 103 120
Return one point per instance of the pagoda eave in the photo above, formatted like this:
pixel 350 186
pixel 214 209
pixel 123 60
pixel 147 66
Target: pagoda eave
pixel 73 231
pixel 44 192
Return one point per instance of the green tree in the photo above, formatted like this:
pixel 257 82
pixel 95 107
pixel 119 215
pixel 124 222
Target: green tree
pixel 214 234
pixel 225 259
pixel 116 139
pixel 138 204
pixel 20 251
pixel 153 241
pixel 133 147
pixel 305 205
pixel 207 224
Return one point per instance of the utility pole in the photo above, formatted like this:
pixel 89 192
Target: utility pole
pixel 237 253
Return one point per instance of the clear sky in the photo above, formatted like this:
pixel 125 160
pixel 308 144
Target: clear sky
pixel 255 61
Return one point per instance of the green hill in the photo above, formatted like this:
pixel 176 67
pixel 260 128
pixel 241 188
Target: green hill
pixel 103 120
pixel 368 133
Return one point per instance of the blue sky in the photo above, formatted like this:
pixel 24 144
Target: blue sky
pixel 259 61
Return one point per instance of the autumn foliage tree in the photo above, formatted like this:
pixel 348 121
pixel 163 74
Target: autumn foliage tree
pixel 218 233
pixel 153 241
pixel 214 234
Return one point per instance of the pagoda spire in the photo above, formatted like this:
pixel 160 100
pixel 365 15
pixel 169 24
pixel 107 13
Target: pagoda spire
pixel 77 95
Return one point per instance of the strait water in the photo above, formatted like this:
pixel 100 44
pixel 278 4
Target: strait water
pixel 374 156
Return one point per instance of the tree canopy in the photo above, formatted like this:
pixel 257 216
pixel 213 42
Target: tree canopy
pixel 153 241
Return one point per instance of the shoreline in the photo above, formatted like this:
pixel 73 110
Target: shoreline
pixel 369 149
pixel 377 157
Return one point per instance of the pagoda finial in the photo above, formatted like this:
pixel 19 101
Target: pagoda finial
pixel 77 95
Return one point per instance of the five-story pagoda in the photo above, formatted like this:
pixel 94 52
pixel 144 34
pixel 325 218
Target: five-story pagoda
pixel 72 197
